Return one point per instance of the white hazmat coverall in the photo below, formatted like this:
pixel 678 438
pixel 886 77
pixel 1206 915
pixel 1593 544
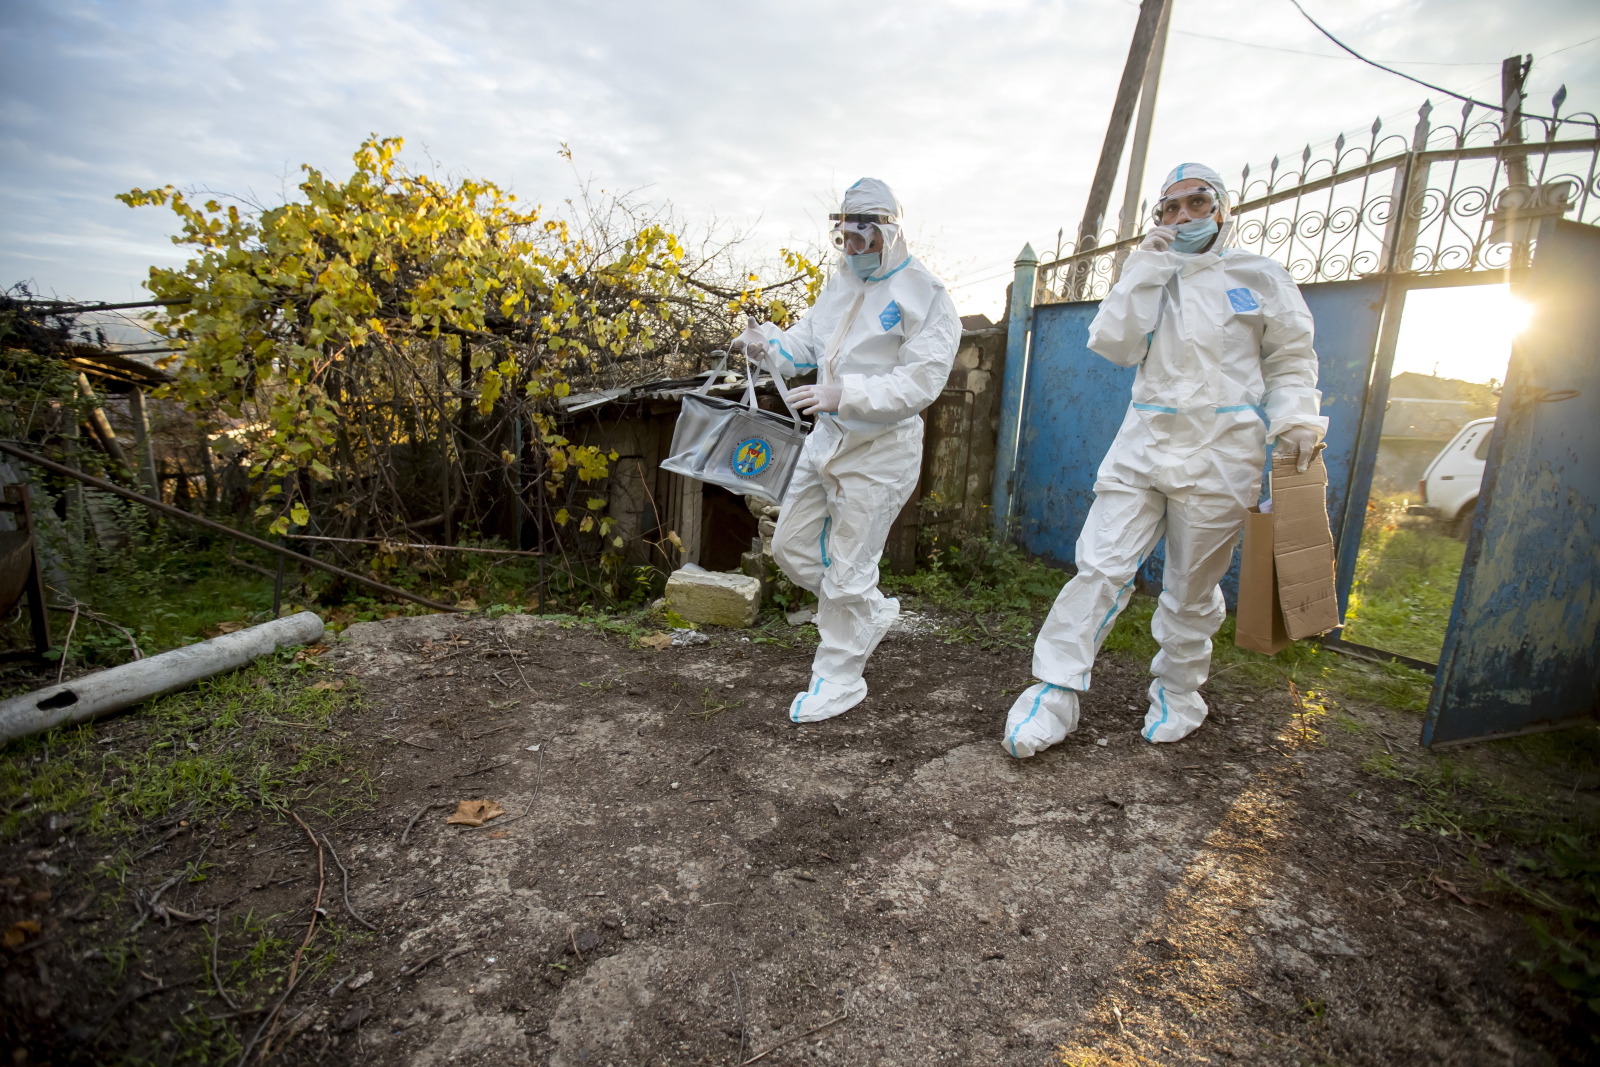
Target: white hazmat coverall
pixel 1222 340
pixel 888 342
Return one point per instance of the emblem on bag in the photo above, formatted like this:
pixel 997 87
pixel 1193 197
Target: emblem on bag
pixel 751 457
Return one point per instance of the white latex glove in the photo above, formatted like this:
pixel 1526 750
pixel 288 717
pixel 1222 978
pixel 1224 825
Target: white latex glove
pixel 754 351
pixel 1299 442
pixel 811 399
pixel 1158 239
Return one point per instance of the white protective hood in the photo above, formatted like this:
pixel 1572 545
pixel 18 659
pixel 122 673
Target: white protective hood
pixel 869 196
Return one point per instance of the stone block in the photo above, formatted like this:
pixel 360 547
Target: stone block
pixel 715 598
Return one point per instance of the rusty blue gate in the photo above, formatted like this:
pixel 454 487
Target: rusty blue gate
pixel 1466 204
pixel 1523 649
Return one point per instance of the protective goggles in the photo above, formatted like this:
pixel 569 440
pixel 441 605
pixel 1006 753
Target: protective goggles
pixel 856 230
pixel 1199 203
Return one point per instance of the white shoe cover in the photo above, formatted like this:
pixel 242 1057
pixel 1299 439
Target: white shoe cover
pixel 826 699
pixel 1172 716
pixel 1043 715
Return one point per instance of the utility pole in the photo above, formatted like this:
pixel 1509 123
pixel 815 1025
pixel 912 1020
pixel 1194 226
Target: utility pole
pixel 1513 73
pixel 1130 222
pixel 1151 15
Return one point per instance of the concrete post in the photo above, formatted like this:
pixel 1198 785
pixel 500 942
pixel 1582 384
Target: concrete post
pixel 1019 332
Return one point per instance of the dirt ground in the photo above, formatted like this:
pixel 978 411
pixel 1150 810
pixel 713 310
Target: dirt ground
pixel 684 877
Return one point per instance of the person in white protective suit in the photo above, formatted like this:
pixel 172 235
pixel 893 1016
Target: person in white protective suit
pixel 1222 340
pixel 882 337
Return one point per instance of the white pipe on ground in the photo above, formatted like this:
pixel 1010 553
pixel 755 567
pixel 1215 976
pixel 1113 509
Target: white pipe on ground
pixel 106 691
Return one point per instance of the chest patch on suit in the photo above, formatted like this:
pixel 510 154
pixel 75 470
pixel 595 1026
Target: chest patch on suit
pixel 889 316
pixel 1243 300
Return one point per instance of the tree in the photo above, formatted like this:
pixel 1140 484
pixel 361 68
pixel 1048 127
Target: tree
pixel 395 343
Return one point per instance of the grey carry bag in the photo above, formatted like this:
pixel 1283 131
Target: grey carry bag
pixel 736 445
pixel 700 422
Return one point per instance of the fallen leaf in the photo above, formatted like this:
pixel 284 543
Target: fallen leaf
pixel 499 833
pixel 475 812
pixel 657 641
pixel 19 932
pixel 467 604
pixel 332 686
pixel 306 653
pixel 229 627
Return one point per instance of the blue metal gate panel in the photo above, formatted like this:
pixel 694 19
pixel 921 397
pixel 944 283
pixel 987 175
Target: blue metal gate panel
pixel 1076 400
pixel 1523 649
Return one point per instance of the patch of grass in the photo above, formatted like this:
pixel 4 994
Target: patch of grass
pixel 1405 583
pixel 262 734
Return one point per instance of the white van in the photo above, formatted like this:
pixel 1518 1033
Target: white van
pixel 1450 484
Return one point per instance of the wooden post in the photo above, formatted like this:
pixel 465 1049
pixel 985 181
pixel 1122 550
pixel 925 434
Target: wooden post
pixel 1513 72
pixel 1141 130
pixel 208 470
pixel 1019 328
pixel 1105 174
pixel 143 448
pixel 100 425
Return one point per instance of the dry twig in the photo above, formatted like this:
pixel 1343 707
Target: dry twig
pixel 789 1040
pixel 346 874
pixel 294 965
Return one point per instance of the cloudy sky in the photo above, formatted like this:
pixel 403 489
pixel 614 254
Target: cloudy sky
pixel 986 117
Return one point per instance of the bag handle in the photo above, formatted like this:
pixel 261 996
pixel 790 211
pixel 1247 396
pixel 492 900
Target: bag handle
pixel 751 380
pixel 711 375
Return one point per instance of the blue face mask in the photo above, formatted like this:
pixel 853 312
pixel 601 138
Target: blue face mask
pixel 864 265
pixel 1193 236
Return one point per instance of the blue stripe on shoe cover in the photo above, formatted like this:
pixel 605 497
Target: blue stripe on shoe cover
pixel 794 716
pixel 827 520
pixel 1156 407
pixel 1162 690
pixel 1012 740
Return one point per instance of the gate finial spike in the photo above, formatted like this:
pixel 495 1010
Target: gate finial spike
pixel 1557 100
pixel 1338 144
pixel 1377 124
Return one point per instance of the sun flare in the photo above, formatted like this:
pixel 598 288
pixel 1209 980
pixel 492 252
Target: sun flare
pixel 1463 333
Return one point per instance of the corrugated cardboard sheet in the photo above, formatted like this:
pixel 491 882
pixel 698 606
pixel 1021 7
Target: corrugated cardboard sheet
pixel 1303 548
pixel 1258 625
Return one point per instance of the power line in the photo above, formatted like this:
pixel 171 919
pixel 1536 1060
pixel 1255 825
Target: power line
pixel 1325 55
pixel 1408 77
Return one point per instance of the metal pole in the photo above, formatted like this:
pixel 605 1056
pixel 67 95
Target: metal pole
pixel 1105 174
pixel 1019 327
pixel 1405 213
